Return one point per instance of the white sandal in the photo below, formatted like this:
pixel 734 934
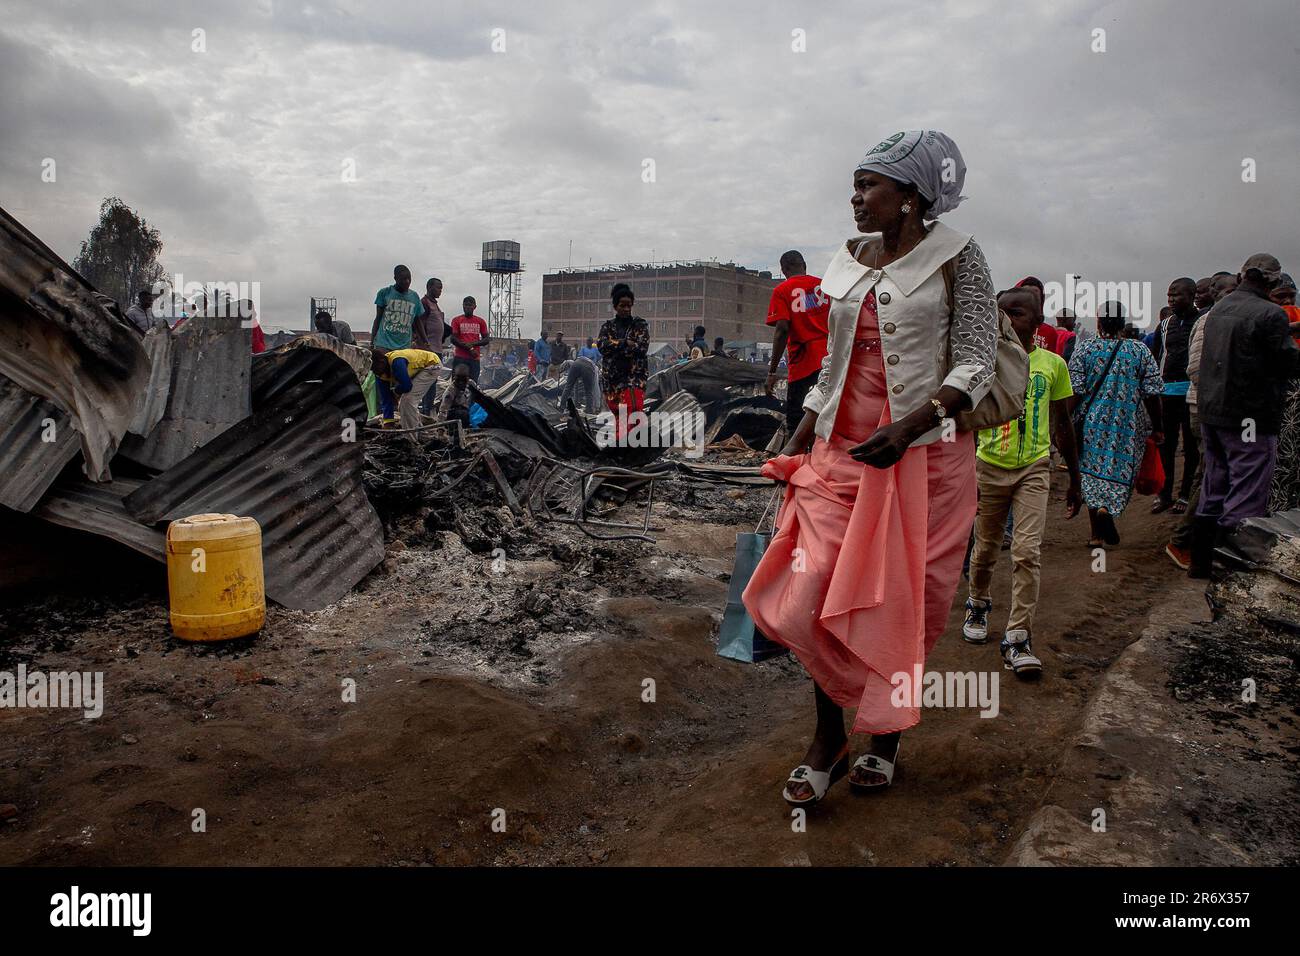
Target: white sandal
pixel 876 764
pixel 819 780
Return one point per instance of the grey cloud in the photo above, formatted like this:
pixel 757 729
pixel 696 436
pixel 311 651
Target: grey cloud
pixel 1122 165
pixel 107 137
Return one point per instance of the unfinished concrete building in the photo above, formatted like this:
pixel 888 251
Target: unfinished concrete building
pixel 674 297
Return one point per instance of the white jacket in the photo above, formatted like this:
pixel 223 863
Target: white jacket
pixel 924 346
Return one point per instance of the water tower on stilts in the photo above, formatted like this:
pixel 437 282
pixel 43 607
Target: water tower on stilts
pixel 505 301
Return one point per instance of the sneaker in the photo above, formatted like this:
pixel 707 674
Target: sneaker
pixel 976 627
pixel 1180 556
pixel 1018 656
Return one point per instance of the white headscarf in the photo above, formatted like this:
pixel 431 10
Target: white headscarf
pixel 928 159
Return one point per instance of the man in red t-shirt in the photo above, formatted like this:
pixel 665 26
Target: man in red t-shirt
pixel 469 333
pixel 798 312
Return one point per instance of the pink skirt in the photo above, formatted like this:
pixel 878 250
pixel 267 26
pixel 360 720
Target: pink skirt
pixel 855 616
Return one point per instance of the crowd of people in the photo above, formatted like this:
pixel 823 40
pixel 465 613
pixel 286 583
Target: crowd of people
pixel 406 344
pixel 609 371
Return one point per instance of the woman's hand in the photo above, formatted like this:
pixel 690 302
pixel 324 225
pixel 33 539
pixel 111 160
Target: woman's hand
pixel 887 445
pixel 1073 498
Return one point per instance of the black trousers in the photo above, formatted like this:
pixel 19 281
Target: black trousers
pixel 1178 419
pixel 795 393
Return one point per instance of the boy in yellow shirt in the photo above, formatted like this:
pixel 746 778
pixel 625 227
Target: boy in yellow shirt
pixel 1014 469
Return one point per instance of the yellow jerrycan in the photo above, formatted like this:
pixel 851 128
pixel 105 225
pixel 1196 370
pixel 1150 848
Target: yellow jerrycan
pixel 214 577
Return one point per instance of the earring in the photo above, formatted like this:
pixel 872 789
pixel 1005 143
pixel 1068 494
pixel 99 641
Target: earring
pixel 907 207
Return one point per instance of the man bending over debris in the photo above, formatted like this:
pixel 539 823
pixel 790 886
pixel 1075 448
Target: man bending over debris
pixel 410 373
pixel 582 371
pixel 457 399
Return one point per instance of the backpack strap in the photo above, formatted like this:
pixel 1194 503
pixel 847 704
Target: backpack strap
pixel 1080 415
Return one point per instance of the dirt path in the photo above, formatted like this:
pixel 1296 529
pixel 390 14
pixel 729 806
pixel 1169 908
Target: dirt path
pixel 474 694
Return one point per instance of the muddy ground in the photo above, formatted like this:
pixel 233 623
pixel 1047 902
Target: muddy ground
pixel 516 684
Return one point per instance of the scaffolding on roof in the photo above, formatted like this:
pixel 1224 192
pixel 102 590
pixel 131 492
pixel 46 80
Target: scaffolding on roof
pixel 656 265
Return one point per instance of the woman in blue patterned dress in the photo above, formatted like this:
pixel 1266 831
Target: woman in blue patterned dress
pixel 1123 410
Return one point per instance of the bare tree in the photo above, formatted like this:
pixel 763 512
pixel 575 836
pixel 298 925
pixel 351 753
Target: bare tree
pixel 120 257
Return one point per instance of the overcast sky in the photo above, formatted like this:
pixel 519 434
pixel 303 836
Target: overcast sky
pixel 1123 165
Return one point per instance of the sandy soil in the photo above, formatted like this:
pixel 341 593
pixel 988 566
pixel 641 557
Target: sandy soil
pixel 518 687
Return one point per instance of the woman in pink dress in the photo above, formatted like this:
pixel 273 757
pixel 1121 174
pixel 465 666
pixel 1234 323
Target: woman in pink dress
pixel 861 574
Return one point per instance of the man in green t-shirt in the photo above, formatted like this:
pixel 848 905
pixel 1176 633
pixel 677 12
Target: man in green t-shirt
pixel 1014 469
pixel 396 309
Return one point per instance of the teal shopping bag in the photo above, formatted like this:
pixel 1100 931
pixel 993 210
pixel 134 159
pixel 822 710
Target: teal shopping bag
pixel 738 638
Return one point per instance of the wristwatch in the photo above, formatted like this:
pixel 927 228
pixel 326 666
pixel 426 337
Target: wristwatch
pixel 940 413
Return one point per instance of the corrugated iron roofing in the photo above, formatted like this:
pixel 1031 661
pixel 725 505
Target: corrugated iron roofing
pixel 313 358
pixel 536 427
pixel 158 347
pixel 76 502
pixel 63 342
pixel 208 391
pixel 30 462
pixel 707 378
pixel 290 466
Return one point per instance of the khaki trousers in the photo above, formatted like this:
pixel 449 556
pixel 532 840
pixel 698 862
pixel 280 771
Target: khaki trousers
pixel 1025 493
pixel 408 406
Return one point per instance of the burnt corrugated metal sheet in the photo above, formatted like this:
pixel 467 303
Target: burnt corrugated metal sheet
pixel 63 342
pixel 709 379
pixel 507 390
pixel 522 421
pixel 313 358
pixel 158 346
pixel 30 461
pixel 208 392
pixel 75 502
pixel 289 466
